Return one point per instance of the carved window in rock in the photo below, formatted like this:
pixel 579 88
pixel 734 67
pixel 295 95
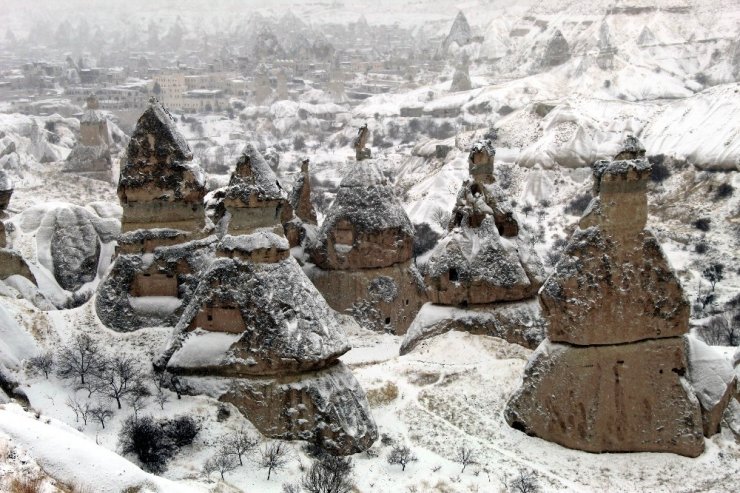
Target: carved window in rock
pixel 454 276
pixel 154 284
pixel 219 318
pixel 344 233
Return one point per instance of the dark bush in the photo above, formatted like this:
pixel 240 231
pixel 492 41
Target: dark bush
pixel 701 248
pixel 660 171
pixel 182 430
pixel 724 191
pixel 146 439
pixel 702 224
pixel 425 238
pixel 576 206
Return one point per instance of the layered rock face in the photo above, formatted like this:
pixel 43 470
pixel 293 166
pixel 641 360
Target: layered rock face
pixel 362 253
pixel 484 263
pixel 158 187
pixel 616 373
pixel 254 198
pixel 91 156
pixel 260 336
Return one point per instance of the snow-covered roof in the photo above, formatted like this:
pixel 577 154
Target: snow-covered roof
pixel 259 240
pixel 368 202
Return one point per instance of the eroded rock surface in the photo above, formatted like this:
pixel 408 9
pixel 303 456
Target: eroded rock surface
pixel 615 398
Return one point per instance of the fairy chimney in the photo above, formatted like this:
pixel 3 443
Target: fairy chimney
pixel 91 156
pixel 301 197
pixel 254 197
pixel 480 162
pixel 159 187
pixel 362 254
pixel 610 375
pixel 260 331
pixel 363 134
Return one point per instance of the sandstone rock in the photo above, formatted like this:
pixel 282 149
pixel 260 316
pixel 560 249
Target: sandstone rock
pixel 254 198
pixel 385 299
pixel 6 190
pixel 13 264
pixel 476 266
pixel 610 398
pixel 3 241
pixel 278 321
pixel 259 247
pixel 460 33
pixel 557 50
pixel 362 153
pixel 326 406
pixel 607 291
pixel 158 187
pixel 480 162
pixel 366 226
pixel 91 156
pixel 476 201
pixel 301 197
pixel 152 290
pixel 461 79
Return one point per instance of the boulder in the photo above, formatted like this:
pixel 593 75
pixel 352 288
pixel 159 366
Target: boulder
pixel 713 380
pixel 610 398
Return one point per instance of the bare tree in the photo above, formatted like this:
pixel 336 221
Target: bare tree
pixel 239 443
pixel 525 482
pixel 101 413
pixel 43 363
pixel 329 475
pixel 291 488
pixel 402 455
pixel 119 376
pixel 79 358
pixel 274 457
pixel 720 331
pixel 81 410
pixel 161 398
pixel 465 456
pixel 222 462
pixel 137 398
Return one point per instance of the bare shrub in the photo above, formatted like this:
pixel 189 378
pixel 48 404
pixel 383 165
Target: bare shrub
pixel 329 475
pixel 401 455
pixel 274 457
pixel 43 363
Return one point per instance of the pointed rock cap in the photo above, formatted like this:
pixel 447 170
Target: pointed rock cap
pixel 167 144
pixel 248 319
pixel 253 172
pixel 367 201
